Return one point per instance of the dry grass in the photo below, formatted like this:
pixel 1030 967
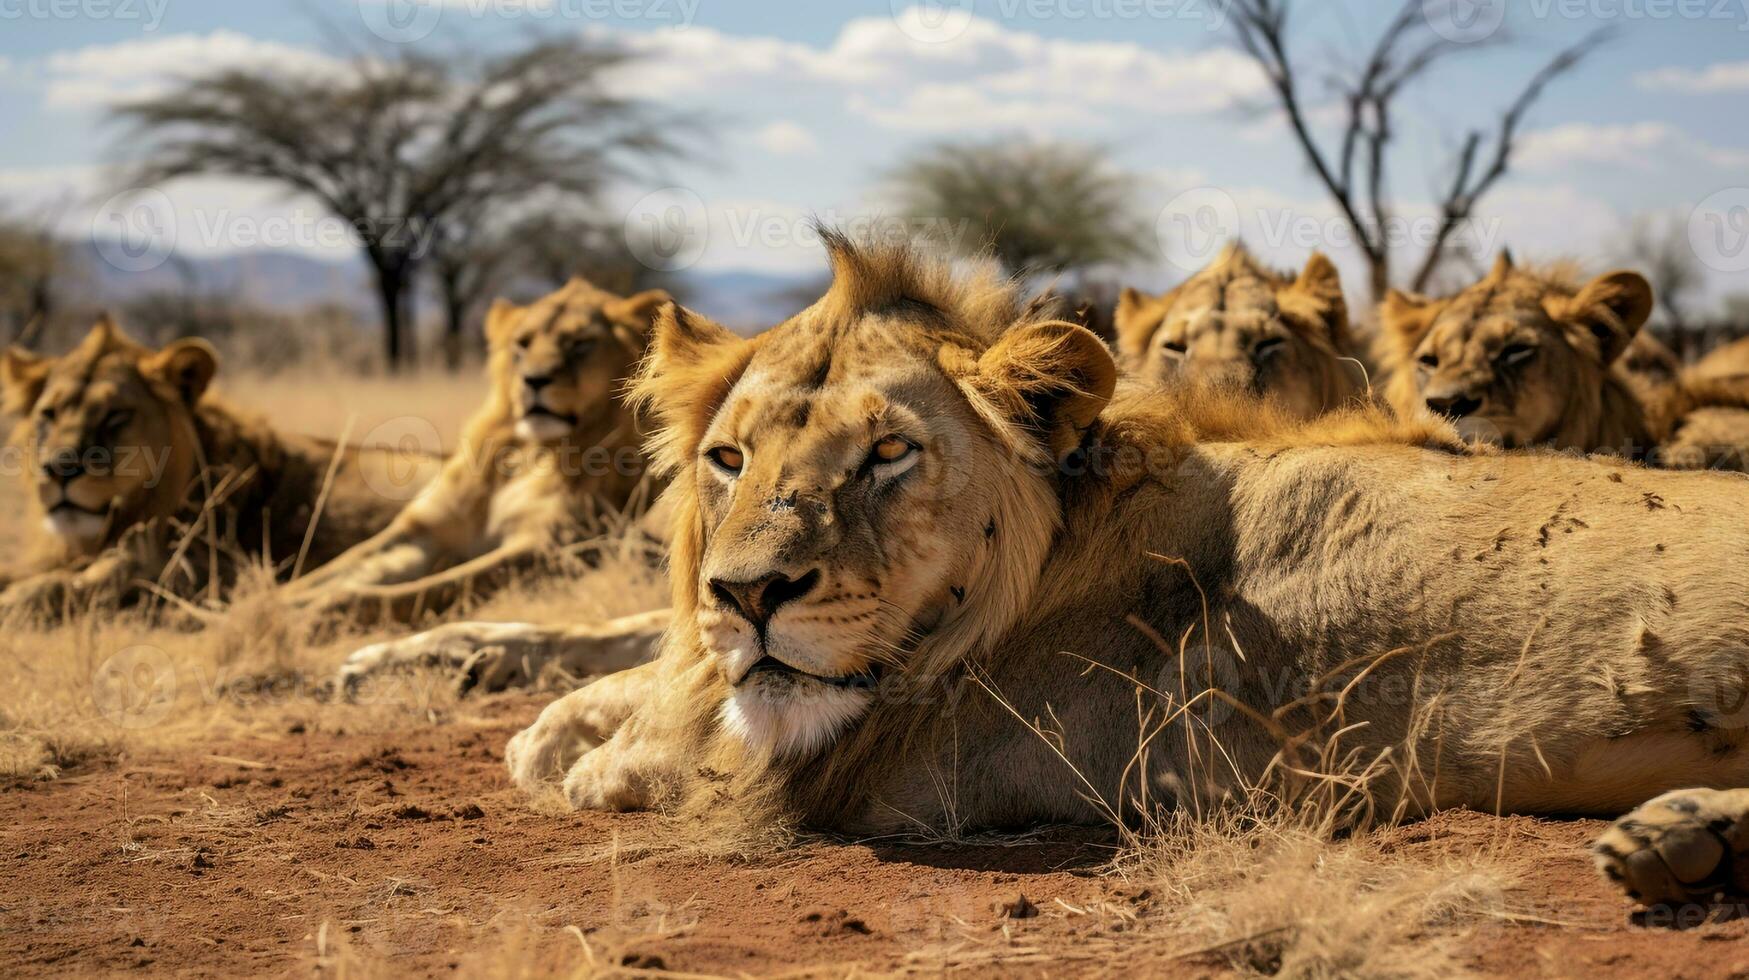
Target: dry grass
pixel 1250 889
pixel 99 686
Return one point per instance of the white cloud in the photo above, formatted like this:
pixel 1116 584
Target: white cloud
pixel 1644 146
pixel 988 76
pixel 102 75
pixel 1713 79
pixel 786 138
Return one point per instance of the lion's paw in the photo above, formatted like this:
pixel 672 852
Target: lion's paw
pixel 540 754
pixel 1685 846
pixel 601 780
pixel 480 657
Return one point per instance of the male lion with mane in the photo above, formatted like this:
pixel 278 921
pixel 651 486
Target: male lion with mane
pixel 1532 357
pixel 135 470
pixel 929 572
pixel 1237 324
pixel 545 463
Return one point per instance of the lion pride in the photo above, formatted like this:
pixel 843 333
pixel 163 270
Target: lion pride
pixel 136 471
pixel 1240 325
pixel 550 457
pixel 1530 357
pixel 932 570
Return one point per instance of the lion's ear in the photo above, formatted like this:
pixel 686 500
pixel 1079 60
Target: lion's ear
pixel 1611 308
pixel 187 365
pixel 1136 318
pixel 1052 379
pixel 501 320
pixel 22 376
pixel 1406 317
pixel 638 311
pixel 1321 284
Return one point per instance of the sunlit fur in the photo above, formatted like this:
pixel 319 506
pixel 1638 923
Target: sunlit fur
pixel 152 443
pixel 1537 357
pixel 537 467
pixel 1240 325
pixel 1524 631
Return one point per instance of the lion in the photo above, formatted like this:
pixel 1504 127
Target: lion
pixel 136 471
pixel 549 459
pixel 1730 360
pixel 932 570
pixel 1239 324
pixel 1530 357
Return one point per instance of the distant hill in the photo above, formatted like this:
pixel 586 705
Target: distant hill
pixel 290 280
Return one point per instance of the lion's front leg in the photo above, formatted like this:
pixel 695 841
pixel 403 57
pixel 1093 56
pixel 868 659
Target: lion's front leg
pixel 1688 845
pixel 576 723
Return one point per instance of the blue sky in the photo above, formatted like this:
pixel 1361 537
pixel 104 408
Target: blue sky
pixel 816 100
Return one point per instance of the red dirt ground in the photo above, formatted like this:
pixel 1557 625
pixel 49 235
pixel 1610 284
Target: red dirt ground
pixel 410 853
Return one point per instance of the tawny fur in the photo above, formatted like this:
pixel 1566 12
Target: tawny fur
pixel 1538 357
pixel 177 484
pixel 538 469
pixel 1239 325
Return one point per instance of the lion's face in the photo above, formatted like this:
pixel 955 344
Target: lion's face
pixel 559 362
pixel 106 433
pixel 1505 358
pixel 1237 325
pixel 853 483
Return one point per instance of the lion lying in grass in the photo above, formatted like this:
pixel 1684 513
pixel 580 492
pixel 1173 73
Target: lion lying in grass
pixel 929 573
pixel 1533 358
pixel 543 467
pixel 142 480
pixel 1239 325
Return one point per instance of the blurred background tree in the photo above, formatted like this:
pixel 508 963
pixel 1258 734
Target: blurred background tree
pixel 1039 207
pixel 411 150
pixel 35 267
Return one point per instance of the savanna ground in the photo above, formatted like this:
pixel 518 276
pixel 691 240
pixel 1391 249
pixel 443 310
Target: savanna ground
pixel 197 803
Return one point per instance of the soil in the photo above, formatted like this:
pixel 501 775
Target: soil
pixel 410 853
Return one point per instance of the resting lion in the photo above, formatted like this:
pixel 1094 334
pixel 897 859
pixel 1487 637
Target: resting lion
pixel 1240 325
pixel 545 462
pixel 929 574
pixel 141 479
pixel 1531 357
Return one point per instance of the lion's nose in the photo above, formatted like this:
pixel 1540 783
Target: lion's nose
pixel 1455 406
pixel 536 382
pixel 64 465
pixel 758 600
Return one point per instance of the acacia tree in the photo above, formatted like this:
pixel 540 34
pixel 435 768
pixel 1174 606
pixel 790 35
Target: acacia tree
pixel 1039 207
pixel 400 146
pixel 1356 173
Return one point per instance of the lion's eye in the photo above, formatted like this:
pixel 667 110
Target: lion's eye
pixel 116 419
pixel 47 413
pixel 1430 360
pixel 728 459
pixel 1516 354
pixel 580 346
pixel 1268 347
pixel 523 341
pixel 892 449
pixel 1175 346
